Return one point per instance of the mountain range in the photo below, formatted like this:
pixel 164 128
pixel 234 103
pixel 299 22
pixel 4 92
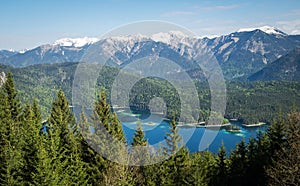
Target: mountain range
pixel 286 68
pixel 245 54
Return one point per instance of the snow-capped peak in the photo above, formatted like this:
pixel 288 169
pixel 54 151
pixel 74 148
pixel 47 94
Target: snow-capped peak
pixel 124 38
pixel 173 38
pixel 266 29
pixel 167 36
pixel 76 42
pixel 23 51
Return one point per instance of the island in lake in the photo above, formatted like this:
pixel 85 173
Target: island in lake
pixel 233 129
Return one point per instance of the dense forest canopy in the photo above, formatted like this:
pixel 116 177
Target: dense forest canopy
pixel 250 102
pixel 57 153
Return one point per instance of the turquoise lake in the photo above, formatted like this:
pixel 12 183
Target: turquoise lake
pixel 155 129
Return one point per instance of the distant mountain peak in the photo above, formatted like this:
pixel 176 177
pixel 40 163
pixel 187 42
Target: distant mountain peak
pixel 75 42
pixel 23 51
pixel 266 29
pixel 123 38
pixel 167 36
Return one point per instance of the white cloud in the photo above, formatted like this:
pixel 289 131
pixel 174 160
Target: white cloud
pixel 290 26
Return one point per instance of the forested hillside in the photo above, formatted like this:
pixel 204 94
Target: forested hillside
pixel 248 101
pixel 55 153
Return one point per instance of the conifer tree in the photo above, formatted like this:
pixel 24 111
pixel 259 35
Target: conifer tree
pixel 95 162
pixel 36 112
pixel 172 139
pixel 103 115
pixel 139 136
pixel 139 155
pixel 65 146
pixel 220 176
pixel 202 167
pixel 52 163
pixel 10 92
pixel 175 168
pixel 285 169
pixel 276 135
pixel 116 129
pixel 102 110
pixel 62 119
pixel 31 132
pixel 238 165
pixel 11 138
pixel 252 161
pixel 262 159
pixel 109 138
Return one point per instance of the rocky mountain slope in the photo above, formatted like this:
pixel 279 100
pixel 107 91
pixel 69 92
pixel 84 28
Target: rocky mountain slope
pixel 286 68
pixel 240 54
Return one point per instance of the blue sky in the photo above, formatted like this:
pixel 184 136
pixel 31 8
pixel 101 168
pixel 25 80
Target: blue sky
pixel 29 23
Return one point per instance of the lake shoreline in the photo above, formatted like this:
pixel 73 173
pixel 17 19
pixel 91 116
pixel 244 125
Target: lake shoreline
pixel 202 125
pixel 254 125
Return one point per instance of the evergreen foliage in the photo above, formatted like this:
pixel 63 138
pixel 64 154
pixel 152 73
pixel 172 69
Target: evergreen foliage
pixel 58 152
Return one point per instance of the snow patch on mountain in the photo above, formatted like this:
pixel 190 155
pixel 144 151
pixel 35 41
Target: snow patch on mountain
pixel 172 38
pixel 266 29
pixel 75 42
pixel 209 36
pixel 166 37
pixel 126 38
pixel 23 51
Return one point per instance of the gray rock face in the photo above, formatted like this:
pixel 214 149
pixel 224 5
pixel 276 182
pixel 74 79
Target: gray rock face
pixel 2 78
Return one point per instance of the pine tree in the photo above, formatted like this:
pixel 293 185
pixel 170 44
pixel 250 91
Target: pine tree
pixel 36 112
pixel 172 139
pixel 31 131
pixel 175 168
pixel 221 171
pixel 14 104
pixel 102 111
pixel 103 115
pixel 140 155
pixel 11 138
pixel 116 129
pixel 95 162
pixel 108 138
pixel 62 119
pixel 285 170
pixel 262 159
pixel 202 167
pixel 62 146
pixel 139 136
pixel 276 135
pixel 52 163
pixel 251 172
pixel 238 165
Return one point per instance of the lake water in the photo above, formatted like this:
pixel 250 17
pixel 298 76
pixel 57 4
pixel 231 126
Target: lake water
pixel 196 139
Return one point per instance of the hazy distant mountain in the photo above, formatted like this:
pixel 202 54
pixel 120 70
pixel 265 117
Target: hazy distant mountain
pixel 63 50
pixel 239 54
pixel 285 68
pixel 4 54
